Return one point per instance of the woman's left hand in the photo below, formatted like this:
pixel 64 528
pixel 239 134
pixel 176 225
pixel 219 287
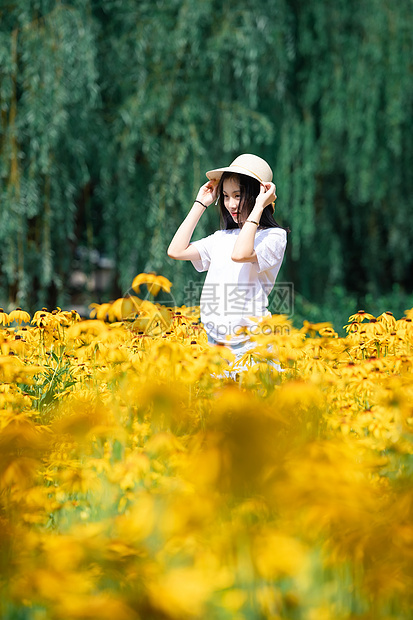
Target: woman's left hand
pixel 266 196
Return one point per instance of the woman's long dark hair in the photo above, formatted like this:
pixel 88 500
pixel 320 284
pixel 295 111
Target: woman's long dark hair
pixel 249 190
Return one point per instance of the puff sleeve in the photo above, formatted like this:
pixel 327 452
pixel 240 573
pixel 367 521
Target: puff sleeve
pixel 270 249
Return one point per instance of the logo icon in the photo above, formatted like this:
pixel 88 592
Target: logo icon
pixel 143 312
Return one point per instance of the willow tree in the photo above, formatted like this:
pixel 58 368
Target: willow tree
pixel 49 94
pixel 112 111
pixel 347 145
pixel 198 92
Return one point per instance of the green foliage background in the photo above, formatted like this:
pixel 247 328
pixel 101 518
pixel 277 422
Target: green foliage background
pixel 112 110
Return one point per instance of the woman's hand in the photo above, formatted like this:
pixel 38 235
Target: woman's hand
pixel 180 247
pixel 208 193
pixel 266 196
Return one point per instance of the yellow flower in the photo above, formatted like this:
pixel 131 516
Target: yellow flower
pixel 42 317
pixel 4 317
pixel 93 327
pixel 328 332
pixel 120 309
pixel 352 328
pixel 313 328
pixel 152 319
pixel 154 283
pixel 65 317
pixel 20 316
pixel 388 319
pixel 99 311
pixel 134 474
pixel 360 316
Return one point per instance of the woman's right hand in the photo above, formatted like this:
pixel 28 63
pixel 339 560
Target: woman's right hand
pixel 208 193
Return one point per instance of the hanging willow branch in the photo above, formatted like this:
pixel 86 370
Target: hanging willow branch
pixel 127 104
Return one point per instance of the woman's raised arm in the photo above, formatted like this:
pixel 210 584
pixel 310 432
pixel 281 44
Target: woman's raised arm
pixel 180 248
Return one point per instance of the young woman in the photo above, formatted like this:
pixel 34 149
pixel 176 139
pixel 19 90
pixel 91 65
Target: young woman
pixel 243 258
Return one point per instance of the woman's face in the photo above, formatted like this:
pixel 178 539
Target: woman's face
pixel 232 196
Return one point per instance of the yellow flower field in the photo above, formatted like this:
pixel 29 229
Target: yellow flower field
pixel 139 482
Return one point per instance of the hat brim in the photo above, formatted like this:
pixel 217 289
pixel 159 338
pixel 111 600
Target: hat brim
pixel 215 175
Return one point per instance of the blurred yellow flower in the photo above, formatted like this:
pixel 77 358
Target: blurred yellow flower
pixel 94 606
pixel 99 311
pixel 154 283
pixel 139 480
pixel 313 328
pixel 92 328
pixel 182 592
pixel 278 555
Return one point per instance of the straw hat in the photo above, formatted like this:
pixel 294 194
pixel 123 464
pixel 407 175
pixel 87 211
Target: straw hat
pixel 250 165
